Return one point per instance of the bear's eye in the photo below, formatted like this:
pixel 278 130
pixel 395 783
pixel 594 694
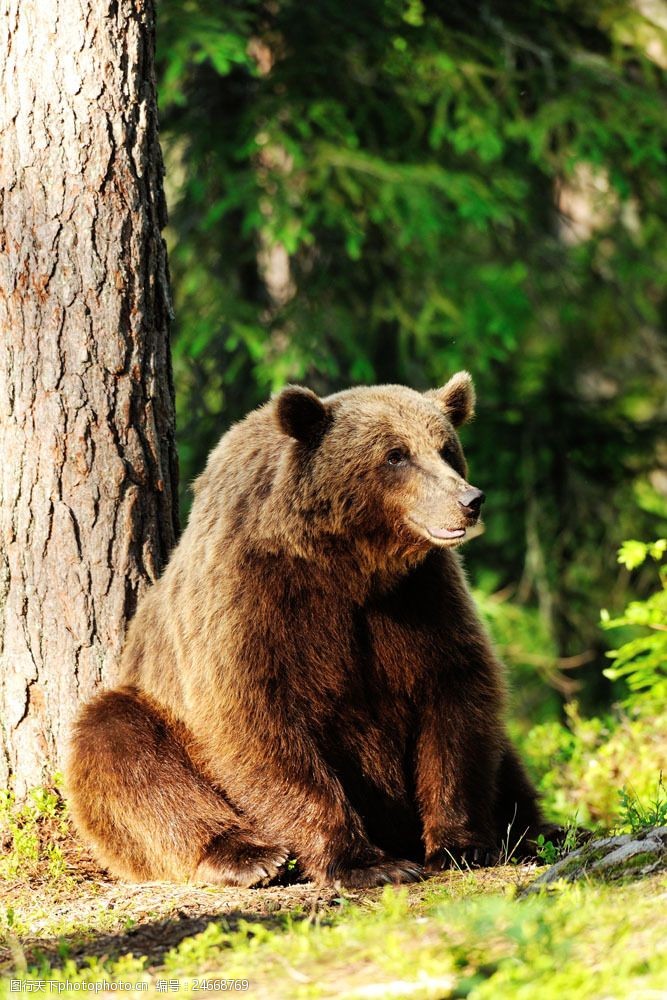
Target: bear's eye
pixel 450 454
pixel 397 456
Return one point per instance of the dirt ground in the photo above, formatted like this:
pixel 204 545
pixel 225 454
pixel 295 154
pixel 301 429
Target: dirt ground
pixel 124 917
pixel 90 914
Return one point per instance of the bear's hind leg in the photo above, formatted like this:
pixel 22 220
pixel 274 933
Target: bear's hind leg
pixel 137 795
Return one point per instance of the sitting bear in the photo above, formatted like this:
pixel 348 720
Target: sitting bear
pixel 309 677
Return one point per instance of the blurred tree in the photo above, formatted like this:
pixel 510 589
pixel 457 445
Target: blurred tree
pixel 88 494
pixel 394 189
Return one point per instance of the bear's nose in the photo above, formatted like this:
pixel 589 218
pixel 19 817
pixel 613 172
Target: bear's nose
pixel 472 499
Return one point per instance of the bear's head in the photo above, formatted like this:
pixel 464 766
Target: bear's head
pixel 382 465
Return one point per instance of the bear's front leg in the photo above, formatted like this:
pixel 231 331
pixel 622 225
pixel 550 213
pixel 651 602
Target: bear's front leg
pixel 297 800
pixel 304 805
pixel 457 765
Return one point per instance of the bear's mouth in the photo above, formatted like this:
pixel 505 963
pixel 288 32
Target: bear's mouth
pixel 440 534
pixel 445 533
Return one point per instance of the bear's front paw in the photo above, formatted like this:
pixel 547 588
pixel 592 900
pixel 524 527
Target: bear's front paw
pixel 467 856
pixel 232 860
pixel 376 873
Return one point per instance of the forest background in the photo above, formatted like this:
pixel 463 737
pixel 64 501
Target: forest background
pixel 388 191
pixel 378 191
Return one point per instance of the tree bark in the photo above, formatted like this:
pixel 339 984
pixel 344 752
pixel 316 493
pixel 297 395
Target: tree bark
pixel 88 480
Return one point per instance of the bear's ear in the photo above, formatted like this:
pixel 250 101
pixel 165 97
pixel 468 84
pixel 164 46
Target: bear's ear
pixel 301 414
pixel 456 399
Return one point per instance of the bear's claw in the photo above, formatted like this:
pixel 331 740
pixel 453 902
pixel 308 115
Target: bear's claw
pixel 468 856
pixel 232 861
pixel 382 873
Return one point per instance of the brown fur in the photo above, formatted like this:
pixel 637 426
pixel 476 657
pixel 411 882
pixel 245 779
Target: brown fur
pixel 310 675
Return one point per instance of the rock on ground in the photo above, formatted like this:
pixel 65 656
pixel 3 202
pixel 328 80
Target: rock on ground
pixel 629 855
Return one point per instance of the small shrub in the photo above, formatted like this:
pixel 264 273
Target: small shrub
pixel 549 853
pixel 636 815
pixel 580 765
pixel 642 661
pixel 590 765
pixel 32 834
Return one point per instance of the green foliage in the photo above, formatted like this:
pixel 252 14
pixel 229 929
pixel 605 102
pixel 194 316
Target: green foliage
pixel 30 832
pixel 632 554
pixel 581 765
pixel 524 643
pixel 400 189
pixel 642 661
pixel 463 938
pixel 637 815
pixel 593 764
pixel 549 853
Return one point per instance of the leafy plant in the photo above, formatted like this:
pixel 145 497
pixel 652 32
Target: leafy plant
pixel 642 661
pixel 636 815
pixel 32 832
pixel 549 852
pixel 546 850
pixel 580 764
pixel 403 189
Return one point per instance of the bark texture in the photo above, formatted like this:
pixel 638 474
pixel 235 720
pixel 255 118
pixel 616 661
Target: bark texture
pixel 88 479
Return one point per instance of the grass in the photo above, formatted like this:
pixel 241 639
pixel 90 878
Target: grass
pixel 474 934
pixel 33 831
pixel 458 936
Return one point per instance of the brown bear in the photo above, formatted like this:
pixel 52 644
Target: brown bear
pixel 309 677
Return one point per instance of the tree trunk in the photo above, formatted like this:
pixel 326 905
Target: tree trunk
pixel 88 480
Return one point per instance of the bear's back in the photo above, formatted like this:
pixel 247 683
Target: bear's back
pixel 182 611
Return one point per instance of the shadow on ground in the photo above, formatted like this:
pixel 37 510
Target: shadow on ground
pixel 93 916
pixel 108 919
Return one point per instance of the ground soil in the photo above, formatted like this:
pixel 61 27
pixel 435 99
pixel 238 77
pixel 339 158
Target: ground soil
pixel 99 916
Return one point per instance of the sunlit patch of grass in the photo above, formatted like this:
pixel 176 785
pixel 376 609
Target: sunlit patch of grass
pixel 447 938
pixel 32 834
pixel 466 933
